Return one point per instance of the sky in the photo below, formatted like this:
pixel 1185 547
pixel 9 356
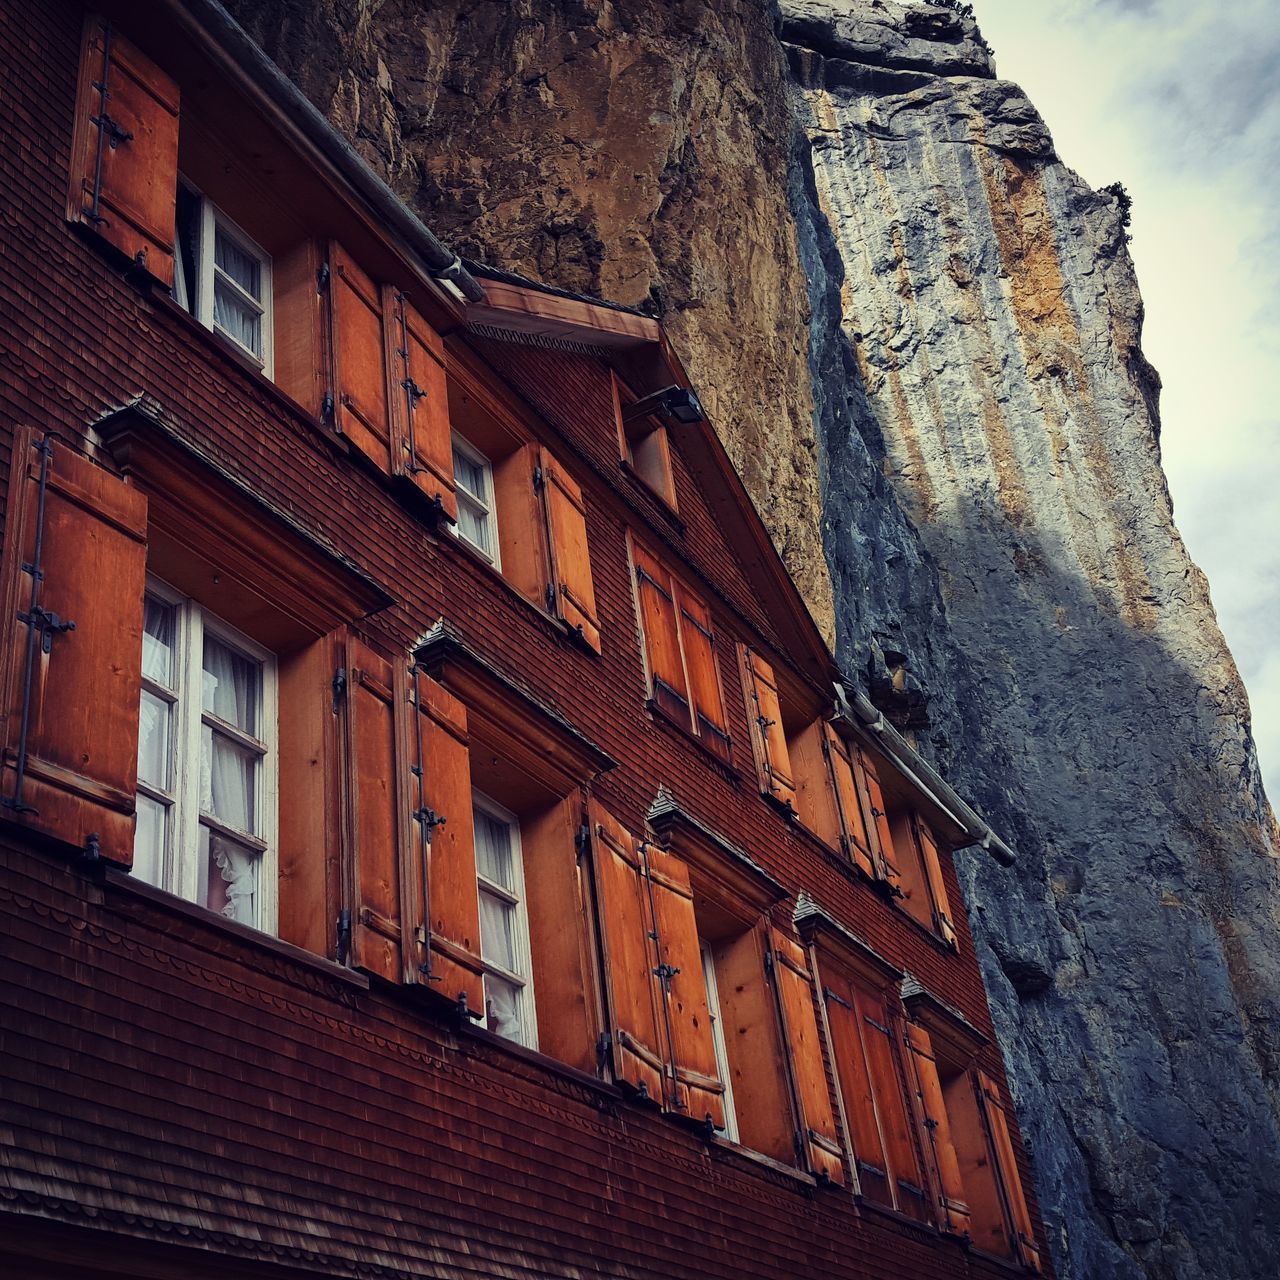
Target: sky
pixel 1180 101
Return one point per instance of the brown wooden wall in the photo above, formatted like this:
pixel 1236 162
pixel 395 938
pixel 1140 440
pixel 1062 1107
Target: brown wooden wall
pixel 181 1085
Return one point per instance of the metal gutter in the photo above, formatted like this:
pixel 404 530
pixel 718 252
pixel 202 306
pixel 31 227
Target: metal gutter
pixel 921 774
pixel 258 77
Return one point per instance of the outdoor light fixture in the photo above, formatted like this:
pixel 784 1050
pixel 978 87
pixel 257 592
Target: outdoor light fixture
pixel 678 403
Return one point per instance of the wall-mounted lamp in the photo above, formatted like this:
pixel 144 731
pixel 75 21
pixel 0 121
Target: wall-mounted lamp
pixel 678 403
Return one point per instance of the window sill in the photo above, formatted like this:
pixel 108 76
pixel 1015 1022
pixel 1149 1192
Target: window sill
pixel 672 725
pixel 924 1230
pixel 726 1148
pixel 479 1035
pixel 129 886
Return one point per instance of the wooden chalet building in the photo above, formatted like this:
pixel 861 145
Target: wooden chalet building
pixel 434 839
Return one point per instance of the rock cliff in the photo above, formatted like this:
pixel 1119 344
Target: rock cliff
pixel 919 334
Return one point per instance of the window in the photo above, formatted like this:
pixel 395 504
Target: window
pixel 222 277
pixel 730 1128
pixel 206 761
pixel 643 442
pixel 680 652
pixel 504 924
pixel 477 520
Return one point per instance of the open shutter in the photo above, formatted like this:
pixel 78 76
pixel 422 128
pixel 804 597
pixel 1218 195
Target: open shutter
pixel 124 159
pixel 361 406
pixel 937 886
pixel 773 761
pixel 998 1132
pixel 853 819
pixel 656 594
pixel 699 642
pixel 423 444
pixel 635 1035
pixel 875 818
pixel 697 1090
pixel 572 596
pixel 446 841
pixel 936 1139
pixel 385 913
pixel 817 1140
pixel 74 573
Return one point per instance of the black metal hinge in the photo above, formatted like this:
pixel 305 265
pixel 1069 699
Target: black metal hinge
pixel 839 999
pixel 664 973
pixel 326 407
pixel 582 839
pixel 44 622
pixel 322 278
pixel 604 1047
pixel 551 597
pixel 339 687
pixel 414 392
pixel 343 946
pixel 538 479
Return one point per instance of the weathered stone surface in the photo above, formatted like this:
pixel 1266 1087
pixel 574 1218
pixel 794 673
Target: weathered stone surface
pixel 920 337
pixel 1082 692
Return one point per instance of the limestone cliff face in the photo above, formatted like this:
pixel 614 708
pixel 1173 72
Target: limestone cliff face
pixel 918 333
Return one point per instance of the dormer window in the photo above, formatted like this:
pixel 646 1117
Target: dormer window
pixel 222 277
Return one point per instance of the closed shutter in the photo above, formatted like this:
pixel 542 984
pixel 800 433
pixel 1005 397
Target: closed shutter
pixel 572 596
pixel 656 594
pixel 423 444
pixel 124 159
pixel 698 640
pixel 817 1141
pixel 876 819
pixel 936 1140
pixel 878 1026
pixel 1011 1182
pixel 361 406
pixel 385 913
pixel 773 761
pixel 849 803
pixel 635 1036
pixel 697 1090
pixel 937 886
pixel 857 1090
pixel 446 842
pixel 74 553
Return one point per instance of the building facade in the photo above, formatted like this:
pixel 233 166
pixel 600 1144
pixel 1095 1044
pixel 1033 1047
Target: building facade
pixel 435 838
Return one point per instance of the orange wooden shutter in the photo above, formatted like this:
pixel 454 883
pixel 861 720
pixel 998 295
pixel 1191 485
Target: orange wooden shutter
pixel 635 1027
pixel 936 1137
pixel 698 640
pixel 818 1139
pixel 361 405
pixel 453 905
pixel 850 1061
pixel 853 821
pixel 75 776
pixel 386 914
pixel 773 761
pixel 124 158
pixel 876 819
pixel 910 1186
pixel 572 597
pixel 1007 1165
pixel 937 886
pixel 423 444
pixel 656 593
pixel 697 1090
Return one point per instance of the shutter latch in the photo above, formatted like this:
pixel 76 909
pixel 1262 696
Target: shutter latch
pixel 664 973
pixel 42 620
pixel 414 392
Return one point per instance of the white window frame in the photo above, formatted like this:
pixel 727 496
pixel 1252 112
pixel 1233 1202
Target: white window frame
pixel 481 504
pixel 730 1129
pixel 211 220
pixel 181 868
pixel 515 897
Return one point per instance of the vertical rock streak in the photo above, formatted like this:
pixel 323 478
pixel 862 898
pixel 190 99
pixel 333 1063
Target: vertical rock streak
pixel 918 333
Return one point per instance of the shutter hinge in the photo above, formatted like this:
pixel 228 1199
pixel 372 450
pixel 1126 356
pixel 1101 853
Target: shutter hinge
pixel 768 961
pixel 839 999
pixel 343 949
pixel 115 132
pixel 604 1047
pixel 322 278
pixel 538 479
pixel 326 406
pixel 339 687
pixel 582 839
pixel 551 597
pixel 930 1123
pixel 765 723
pixel 428 819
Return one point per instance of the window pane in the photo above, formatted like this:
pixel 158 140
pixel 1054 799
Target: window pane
pixel 493 849
pixel 157 641
pixel 240 266
pixel 470 475
pixel 473 525
pixel 228 780
pixel 228 877
pixel 149 841
pixel 502 1000
pixel 497 931
pixel 232 686
pixel 236 318
pixel 153 742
